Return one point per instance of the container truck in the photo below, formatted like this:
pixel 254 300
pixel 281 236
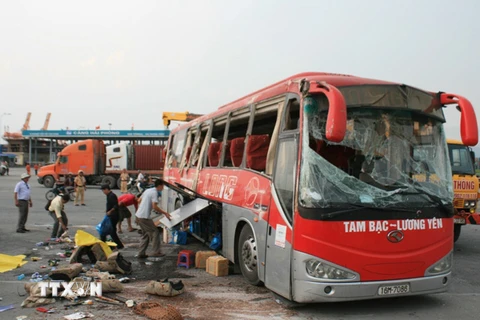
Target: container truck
pixel 102 163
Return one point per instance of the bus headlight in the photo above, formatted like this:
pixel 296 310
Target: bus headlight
pixel 442 266
pixel 322 270
pixel 473 204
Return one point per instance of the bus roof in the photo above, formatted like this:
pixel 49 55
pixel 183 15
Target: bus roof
pixel 287 85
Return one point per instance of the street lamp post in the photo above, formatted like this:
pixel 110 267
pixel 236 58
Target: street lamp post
pixel 1 124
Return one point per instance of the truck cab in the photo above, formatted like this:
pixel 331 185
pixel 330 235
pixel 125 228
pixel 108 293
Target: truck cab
pixel 87 155
pixel 465 183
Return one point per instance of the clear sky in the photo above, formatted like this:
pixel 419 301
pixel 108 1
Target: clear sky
pixel 93 63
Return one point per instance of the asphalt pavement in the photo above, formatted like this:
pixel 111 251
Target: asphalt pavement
pixel 462 301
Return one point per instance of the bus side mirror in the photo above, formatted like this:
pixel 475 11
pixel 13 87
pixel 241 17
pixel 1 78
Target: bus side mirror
pixel 336 126
pixel 468 120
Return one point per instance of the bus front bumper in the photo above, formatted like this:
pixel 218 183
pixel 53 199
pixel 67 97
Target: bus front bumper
pixel 305 291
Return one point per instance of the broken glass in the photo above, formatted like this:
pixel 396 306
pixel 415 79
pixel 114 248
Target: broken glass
pixel 389 158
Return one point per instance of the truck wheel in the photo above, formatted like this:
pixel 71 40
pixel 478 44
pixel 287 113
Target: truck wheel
pixel 457 228
pixel 48 182
pixel 247 256
pixel 110 181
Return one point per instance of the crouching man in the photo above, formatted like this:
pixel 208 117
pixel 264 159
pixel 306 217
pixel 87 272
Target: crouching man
pixel 59 216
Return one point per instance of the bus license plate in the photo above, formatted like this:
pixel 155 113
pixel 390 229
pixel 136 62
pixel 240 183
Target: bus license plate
pixel 392 290
pixel 459 220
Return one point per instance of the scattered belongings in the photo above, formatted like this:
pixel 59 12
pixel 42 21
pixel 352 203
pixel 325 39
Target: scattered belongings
pixel 8 263
pixel 78 315
pixel 201 258
pixel 5 308
pixel 33 302
pixel 115 263
pixel 45 310
pixel 165 288
pixel 155 311
pixel 97 274
pixel 217 266
pixel 66 273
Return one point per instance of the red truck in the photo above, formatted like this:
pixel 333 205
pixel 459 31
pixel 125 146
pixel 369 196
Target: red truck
pixel 103 164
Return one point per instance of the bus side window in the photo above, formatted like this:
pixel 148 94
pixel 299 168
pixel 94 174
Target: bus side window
pixel 292 115
pixel 235 144
pixel 197 145
pixel 258 141
pixel 284 174
pixel 214 150
pixel 176 150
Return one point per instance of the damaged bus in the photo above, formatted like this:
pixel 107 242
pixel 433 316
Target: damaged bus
pixel 323 187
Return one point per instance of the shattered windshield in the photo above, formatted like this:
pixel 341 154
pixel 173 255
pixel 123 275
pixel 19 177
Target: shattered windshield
pixel 389 158
pixel 460 159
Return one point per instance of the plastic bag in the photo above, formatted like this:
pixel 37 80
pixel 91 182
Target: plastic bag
pixel 105 227
pixel 216 241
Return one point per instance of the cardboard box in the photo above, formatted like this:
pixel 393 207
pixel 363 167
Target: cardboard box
pixel 217 266
pixel 201 258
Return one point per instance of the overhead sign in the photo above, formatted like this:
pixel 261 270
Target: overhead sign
pixel 97 133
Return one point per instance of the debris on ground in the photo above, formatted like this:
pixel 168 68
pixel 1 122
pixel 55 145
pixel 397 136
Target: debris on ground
pixel 66 273
pixel 33 302
pixel 78 315
pixel 21 317
pixel 115 263
pixel 8 263
pixel 165 288
pixel 97 274
pixel 155 311
pixel 45 310
pixel 5 308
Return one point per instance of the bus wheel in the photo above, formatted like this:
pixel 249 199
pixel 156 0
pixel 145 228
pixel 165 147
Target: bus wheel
pixel 457 228
pixel 247 255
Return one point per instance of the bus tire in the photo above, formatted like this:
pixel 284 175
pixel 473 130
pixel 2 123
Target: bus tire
pixel 48 182
pixel 247 256
pixel 457 229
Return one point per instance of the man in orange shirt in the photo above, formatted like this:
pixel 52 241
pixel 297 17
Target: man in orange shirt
pixel 35 167
pixel 124 201
pixel 27 167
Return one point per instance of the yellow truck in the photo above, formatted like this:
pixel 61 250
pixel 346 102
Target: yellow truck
pixel 465 185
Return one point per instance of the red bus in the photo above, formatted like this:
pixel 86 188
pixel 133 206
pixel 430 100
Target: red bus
pixel 324 187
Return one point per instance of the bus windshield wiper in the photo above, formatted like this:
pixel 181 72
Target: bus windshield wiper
pixel 432 197
pixel 358 207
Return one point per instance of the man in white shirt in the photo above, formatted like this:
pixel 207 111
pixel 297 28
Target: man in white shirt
pixel 147 203
pixel 22 200
pixel 58 214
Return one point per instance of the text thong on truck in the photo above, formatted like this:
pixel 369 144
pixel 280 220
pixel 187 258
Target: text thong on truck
pixel 465 185
pixel 103 164
pixel 310 182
